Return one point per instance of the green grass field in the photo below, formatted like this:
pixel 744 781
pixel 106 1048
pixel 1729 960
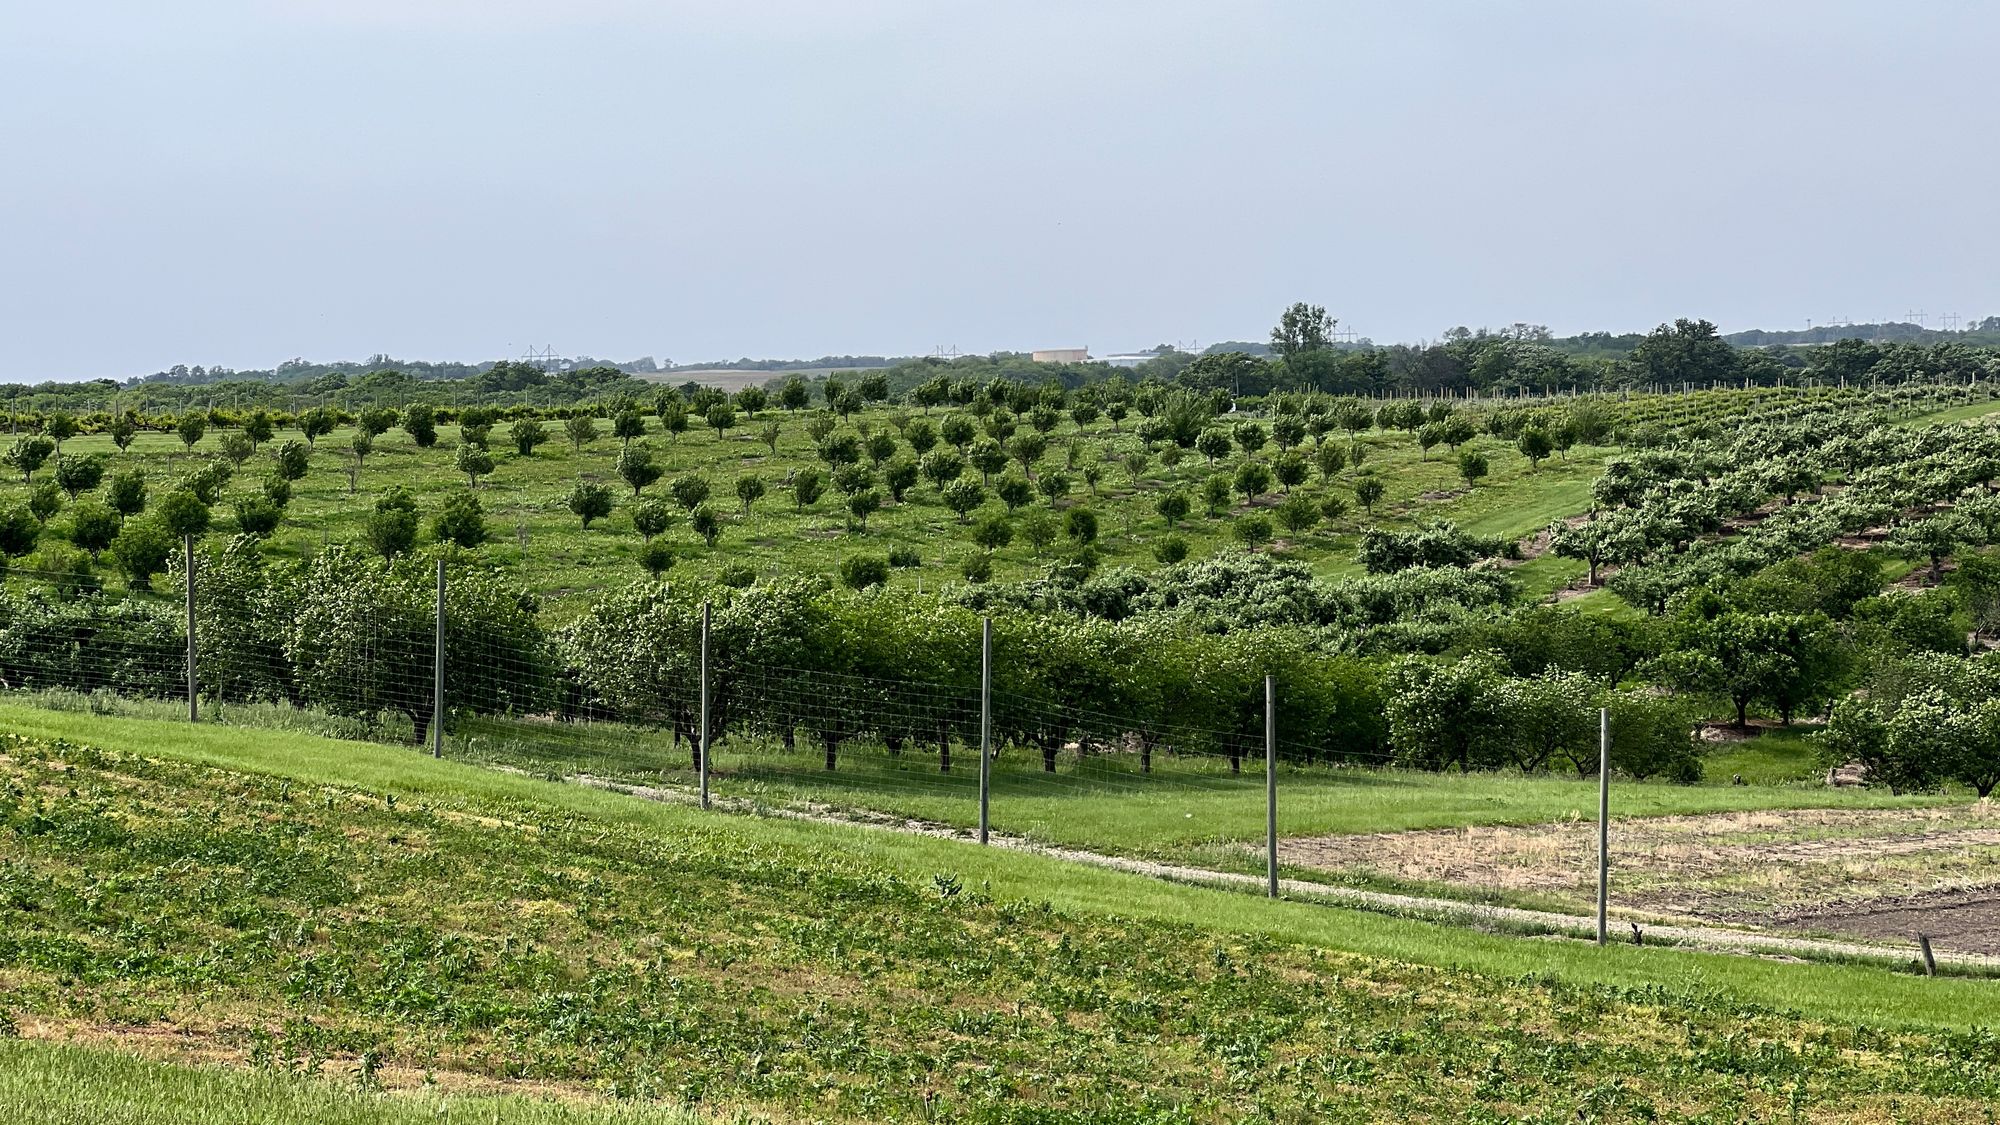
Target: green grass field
pixel 367 915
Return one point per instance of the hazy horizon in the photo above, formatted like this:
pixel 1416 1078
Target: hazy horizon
pixel 238 182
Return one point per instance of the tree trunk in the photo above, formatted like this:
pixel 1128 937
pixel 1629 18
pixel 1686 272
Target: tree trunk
pixel 1049 756
pixel 832 750
pixel 1742 713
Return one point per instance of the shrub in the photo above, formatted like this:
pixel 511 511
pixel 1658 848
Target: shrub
pixel 858 572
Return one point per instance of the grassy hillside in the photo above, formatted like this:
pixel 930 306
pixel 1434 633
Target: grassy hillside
pixel 545 547
pixel 363 913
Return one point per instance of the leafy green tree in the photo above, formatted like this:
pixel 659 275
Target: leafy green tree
pixel 1170 549
pixel 863 504
pixel 1935 537
pixel 527 434
pixel 592 501
pixel 376 421
pixel 1368 491
pixel 1534 444
pixel 127 492
pixel 993 533
pixel 1301 329
pixel 840 450
pixel 880 447
pixel 1213 445
pixel 123 431
pixel 1053 486
pixel 77 475
pixel 257 516
pixel 807 487
pixel 628 424
pixel 93 526
pixel 293 460
pixel 958 431
pixel 182 513
pixel 1027 449
pixel 191 427
pixel 749 489
pixel 1216 492
pixel 259 428
pixel 581 430
pixel 941 466
pixel 1173 507
pixel 900 476
pixel 462 521
pixel 989 458
pixel 1080 524
pixel 45 500
pixel 1332 507
pixel 690 491
pixel 721 418
pixel 29 454
pixel 1290 469
pixel 277 490
pixel 962 496
pixel 1251 437
pixel 1253 479
pixel 858 572
pixel 706 524
pixel 793 395
pixel 1039 528
pixel 1447 713
pixel 751 400
pixel 850 479
pixel 19 529
pixel 316 424
pixel 1298 514
pixel 1548 716
pixel 420 422
pixel 636 467
pixel 391 529
pixel 206 481
pixel 1472 468
pixel 1329 459
pixel 1789 661
pixel 651 517
pixel 474 461
pixel 238 448
pixel 1252 529
pixel 141 549
pixel 657 556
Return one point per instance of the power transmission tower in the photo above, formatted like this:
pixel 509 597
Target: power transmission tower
pixel 1917 318
pixel 545 358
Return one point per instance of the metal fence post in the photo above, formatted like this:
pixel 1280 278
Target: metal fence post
pixel 437 671
pixel 1271 786
pixel 985 723
pixel 702 741
pixel 187 564
pixel 1603 818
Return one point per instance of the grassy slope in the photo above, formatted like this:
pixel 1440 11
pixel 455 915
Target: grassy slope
pixel 1837 993
pixel 48 1083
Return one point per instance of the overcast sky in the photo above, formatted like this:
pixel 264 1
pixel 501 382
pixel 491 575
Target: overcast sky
pixel 241 181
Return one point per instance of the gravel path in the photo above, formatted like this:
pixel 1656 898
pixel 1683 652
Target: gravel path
pixel 1718 939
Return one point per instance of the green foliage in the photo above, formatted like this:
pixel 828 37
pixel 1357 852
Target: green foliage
pixel 858 572
pixel 589 501
pixel 461 521
pixel 182 513
pixel 257 516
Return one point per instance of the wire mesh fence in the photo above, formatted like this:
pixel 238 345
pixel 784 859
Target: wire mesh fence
pixel 1245 797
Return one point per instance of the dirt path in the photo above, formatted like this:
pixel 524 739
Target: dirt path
pixel 1479 915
